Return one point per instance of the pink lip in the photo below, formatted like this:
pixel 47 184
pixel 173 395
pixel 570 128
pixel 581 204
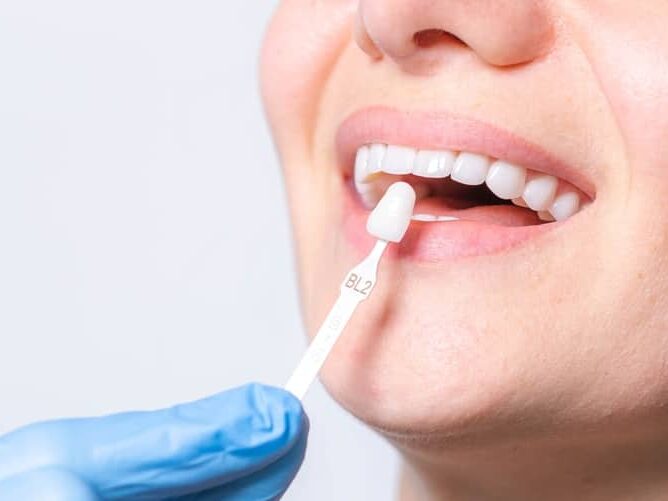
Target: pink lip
pixel 434 242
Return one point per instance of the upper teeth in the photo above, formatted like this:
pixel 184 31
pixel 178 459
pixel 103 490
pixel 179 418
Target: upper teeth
pixel 552 198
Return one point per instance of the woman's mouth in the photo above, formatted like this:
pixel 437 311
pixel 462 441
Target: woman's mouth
pixel 500 202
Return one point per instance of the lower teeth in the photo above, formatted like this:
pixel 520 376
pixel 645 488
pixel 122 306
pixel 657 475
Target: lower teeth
pixel 431 218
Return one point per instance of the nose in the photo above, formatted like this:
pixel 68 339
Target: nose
pixel 416 33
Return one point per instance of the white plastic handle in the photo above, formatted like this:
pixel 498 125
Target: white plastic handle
pixel 355 288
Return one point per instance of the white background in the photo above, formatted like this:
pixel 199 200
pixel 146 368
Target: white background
pixel 144 244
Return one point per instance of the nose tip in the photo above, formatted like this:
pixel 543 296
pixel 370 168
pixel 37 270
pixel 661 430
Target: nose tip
pixel 419 32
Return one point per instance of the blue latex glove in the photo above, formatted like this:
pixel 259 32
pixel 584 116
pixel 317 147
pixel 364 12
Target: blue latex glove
pixel 243 444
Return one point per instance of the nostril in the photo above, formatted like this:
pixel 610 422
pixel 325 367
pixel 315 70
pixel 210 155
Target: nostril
pixel 432 37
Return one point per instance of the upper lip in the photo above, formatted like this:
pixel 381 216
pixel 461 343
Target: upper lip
pixel 444 130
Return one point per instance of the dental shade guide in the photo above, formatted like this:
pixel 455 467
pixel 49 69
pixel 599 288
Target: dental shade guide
pixel 388 222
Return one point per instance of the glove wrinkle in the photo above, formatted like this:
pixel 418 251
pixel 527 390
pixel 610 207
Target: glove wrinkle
pixel 183 450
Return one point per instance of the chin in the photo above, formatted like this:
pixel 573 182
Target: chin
pixel 419 370
pixel 393 394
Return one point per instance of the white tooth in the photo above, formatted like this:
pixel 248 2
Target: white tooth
pixel 366 191
pixel 368 194
pixel 565 205
pixel 376 154
pixel 425 217
pixel 436 164
pixel 543 215
pixel 430 218
pixel 539 192
pixel 506 180
pixel 520 202
pixel 362 165
pixel 399 160
pixel 470 169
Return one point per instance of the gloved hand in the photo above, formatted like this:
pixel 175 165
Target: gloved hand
pixel 243 444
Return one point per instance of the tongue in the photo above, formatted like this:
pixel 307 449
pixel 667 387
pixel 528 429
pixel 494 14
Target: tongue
pixel 503 215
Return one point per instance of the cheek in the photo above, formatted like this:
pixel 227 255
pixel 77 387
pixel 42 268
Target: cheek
pixel 301 46
pixel 629 54
pixel 627 45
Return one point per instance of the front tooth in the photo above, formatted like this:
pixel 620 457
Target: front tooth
pixel 470 169
pixel 399 160
pixel 434 164
pixel 565 205
pixel 368 195
pixel 506 180
pixel 520 202
pixel 376 155
pixel 362 165
pixel 539 192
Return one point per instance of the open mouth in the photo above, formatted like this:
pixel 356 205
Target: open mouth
pixel 465 185
pixel 502 189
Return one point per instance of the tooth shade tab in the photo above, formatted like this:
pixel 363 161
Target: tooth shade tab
pixel 470 169
pixel 390 219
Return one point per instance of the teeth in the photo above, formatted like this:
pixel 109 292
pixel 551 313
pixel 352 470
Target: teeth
pixel 551 198
pixel 376 155
pixel 470 169
pixel 506 180
pixel 434 164
pixel 362 164
pixel 539 192
pixel 429 218
pixel 399 160
pixel 565 205
pixel 366 191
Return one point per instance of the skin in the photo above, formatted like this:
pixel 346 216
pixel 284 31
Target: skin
pixel 536 373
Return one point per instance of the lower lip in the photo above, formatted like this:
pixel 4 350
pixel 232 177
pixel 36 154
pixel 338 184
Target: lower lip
pixel 439 241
